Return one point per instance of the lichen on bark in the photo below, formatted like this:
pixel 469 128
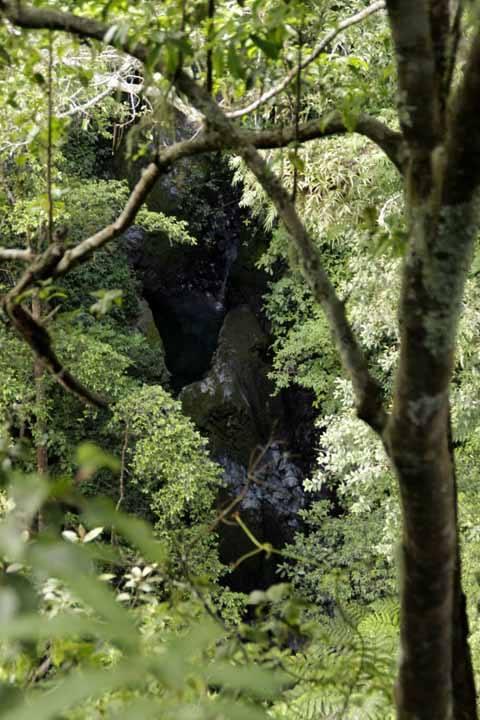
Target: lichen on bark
pixel 444 270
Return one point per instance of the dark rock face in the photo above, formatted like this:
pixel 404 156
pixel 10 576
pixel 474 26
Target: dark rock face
pixel 232 404
pixel 187 287
pixel 206 302
pixel 234 407
pixel 271 497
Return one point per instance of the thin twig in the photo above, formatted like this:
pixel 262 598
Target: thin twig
pixel 121 480
pixel 319 48
pixel 50 138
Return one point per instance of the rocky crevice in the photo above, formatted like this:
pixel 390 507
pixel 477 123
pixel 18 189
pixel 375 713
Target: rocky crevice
pixel 206 302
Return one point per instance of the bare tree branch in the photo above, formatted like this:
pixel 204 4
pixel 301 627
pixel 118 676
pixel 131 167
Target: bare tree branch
pixel 41 343
pixel 35 334
pixel 369 400
pixel 16 254
pixel 388 140
pixel 319 48
pixel 40 269
pixel 33 18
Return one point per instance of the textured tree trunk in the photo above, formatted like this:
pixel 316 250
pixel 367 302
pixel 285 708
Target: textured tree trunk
pixel 435 680
pixel 424 470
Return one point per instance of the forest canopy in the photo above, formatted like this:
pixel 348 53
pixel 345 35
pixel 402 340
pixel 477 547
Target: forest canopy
pixel 239 325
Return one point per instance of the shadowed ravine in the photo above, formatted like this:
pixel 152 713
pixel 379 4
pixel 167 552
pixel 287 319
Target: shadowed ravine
pixel 206 302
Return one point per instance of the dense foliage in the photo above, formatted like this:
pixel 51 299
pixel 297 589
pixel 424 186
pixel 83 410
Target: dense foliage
pixel 114 602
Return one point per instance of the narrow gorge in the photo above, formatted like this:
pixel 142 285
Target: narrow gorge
pixel 205 302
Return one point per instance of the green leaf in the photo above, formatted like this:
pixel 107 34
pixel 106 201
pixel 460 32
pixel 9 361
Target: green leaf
pixel 296 160
pixel 92 535
pixel 234 63
pixel 269 48
pixel 37 627
pixel 90 457
pixel 262 683
pixel 106 300
pixel 76 688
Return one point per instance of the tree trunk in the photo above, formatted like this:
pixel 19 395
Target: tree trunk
pixel 424 686
pixel 435 680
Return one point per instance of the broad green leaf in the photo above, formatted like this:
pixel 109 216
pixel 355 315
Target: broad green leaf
pixel 254 680
pixel 75 689
pixel 91 458
pixel 269 48
pixel 234 62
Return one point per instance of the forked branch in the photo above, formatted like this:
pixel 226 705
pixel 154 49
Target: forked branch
pixel 367 390
pixel 368 394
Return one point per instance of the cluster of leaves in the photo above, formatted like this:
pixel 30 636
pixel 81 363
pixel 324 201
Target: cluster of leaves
pixel 168 461
pixel 84 627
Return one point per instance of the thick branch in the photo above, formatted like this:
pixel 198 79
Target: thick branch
pixel 388 140
pixel 319 48
pixel 418 97
pixel 32 18
pixel 35 334
pixel 440 29
pixel 368 393
pixel 16 254
pixel 41 343
pixel 463 154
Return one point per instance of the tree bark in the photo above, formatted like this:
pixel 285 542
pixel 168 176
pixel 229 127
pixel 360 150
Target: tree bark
pixel 435 680
pixel 424 471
